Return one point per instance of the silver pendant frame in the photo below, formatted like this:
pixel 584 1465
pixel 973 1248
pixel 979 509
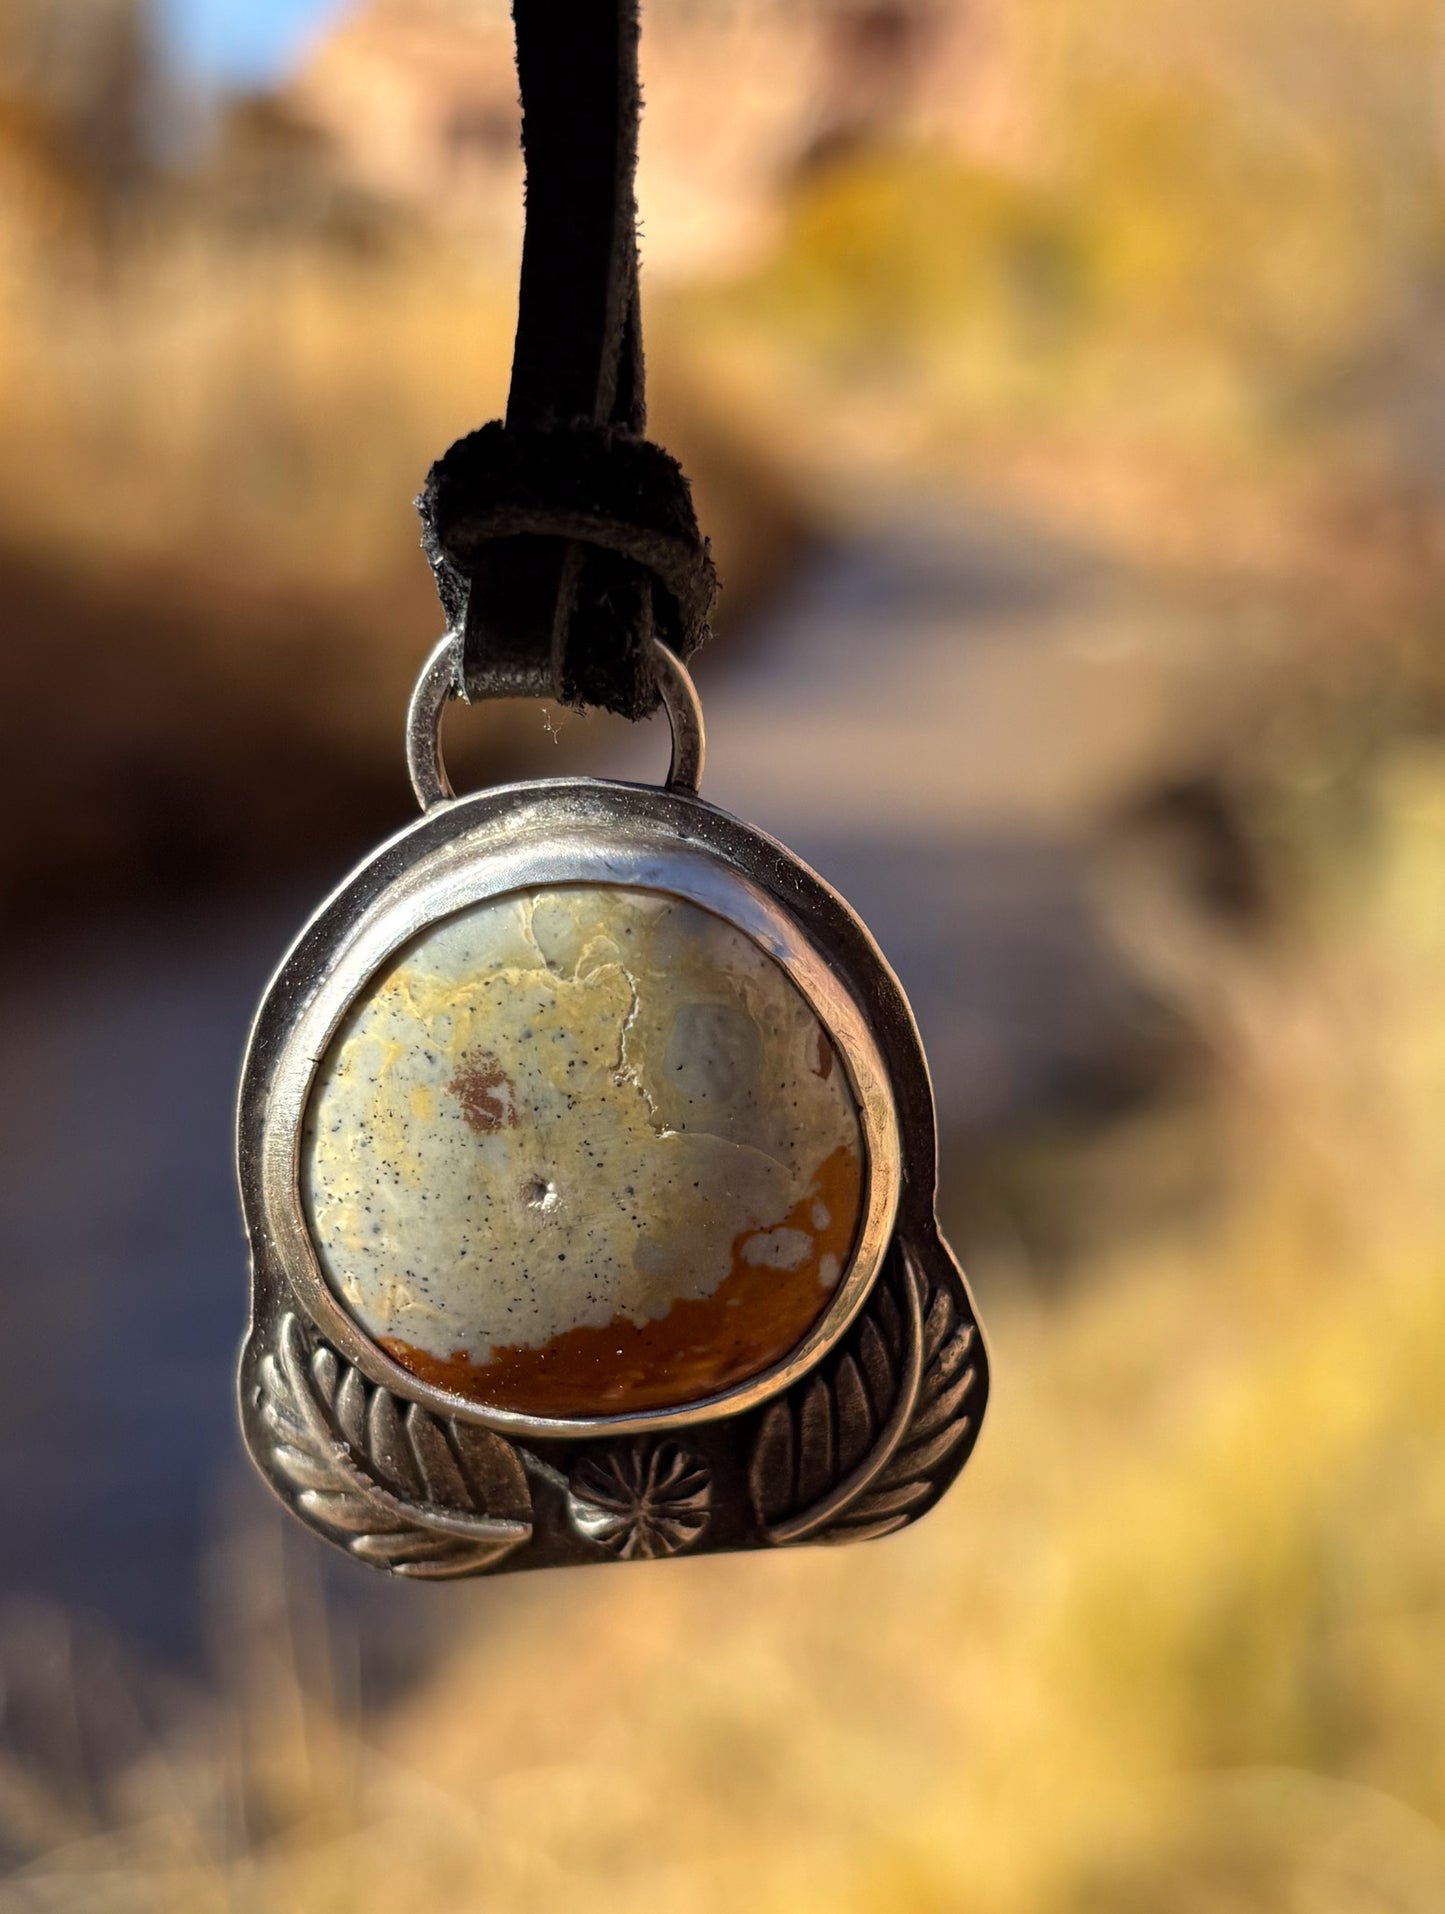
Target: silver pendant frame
pixel 856 1432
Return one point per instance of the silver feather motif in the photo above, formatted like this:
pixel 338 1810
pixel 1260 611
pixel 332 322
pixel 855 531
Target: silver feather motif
pixel 400 1488
pixel 849 1454
pixel 645 1500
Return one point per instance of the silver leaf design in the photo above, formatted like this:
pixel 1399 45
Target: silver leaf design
pixel 850 1453
pixel 401 1489
pixel 643 1500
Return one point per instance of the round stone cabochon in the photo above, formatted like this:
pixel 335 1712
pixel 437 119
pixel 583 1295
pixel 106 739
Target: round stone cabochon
pixel 583 1151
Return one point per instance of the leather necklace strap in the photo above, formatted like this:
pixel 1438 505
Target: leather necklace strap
pixel 563 540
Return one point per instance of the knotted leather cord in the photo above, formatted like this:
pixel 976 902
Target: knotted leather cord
pixel 562 539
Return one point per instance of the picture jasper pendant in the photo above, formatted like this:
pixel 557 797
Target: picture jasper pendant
pixel 587 1156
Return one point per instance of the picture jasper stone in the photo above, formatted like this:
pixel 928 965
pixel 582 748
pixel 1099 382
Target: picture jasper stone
pixel 583 1151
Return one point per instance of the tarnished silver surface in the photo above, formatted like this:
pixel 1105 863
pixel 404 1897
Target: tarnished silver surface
pixel 855 1433
pixel 441 681
pixel 640 1499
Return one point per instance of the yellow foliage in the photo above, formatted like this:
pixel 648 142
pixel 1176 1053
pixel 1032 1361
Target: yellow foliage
pixel 1226 231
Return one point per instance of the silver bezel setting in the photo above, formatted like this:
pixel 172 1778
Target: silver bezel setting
pixel 525 838
pixel 855 1434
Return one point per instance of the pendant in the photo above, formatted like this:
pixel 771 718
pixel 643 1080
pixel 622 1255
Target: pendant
pixel 587 1155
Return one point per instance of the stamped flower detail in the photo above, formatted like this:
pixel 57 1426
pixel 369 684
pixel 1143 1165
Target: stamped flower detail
pixel 648 1499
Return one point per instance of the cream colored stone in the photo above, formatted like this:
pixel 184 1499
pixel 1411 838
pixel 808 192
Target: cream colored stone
pixel 559 1116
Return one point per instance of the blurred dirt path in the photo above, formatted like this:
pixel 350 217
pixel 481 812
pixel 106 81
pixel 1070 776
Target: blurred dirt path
pixel 942 718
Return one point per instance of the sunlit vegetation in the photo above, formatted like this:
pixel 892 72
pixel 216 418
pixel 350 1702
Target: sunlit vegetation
pixel 1192 311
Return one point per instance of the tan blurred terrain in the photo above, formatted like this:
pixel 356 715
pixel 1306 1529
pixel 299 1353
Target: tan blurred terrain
pixel 223 380
pixel 1065 395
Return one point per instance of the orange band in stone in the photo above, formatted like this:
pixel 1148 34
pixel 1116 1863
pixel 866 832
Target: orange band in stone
pixel 751 1321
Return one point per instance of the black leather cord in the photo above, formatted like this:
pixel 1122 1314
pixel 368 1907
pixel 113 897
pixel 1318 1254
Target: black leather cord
pixel 563 539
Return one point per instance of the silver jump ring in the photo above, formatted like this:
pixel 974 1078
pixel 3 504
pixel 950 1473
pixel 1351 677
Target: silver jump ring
pixel 441 681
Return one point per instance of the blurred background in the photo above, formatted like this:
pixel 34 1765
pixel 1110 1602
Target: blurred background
pixel 1064 391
